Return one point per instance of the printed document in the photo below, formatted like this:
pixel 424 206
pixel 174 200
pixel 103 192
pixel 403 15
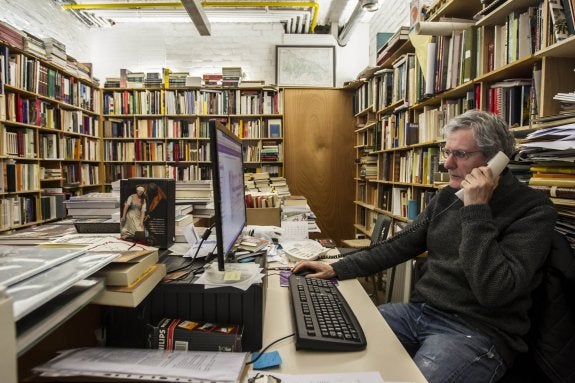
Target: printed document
pixel 165 366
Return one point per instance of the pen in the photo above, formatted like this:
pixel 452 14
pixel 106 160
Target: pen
pixel 282 268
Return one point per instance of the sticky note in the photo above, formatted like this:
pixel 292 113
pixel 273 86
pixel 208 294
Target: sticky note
pixel 267 360
pixel 233 275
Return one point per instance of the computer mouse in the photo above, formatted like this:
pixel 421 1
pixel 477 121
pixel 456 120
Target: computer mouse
pixel 303 272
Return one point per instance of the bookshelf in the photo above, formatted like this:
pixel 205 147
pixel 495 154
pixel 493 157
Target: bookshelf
pixel 508 60
pixel 163 132
pixel 50 142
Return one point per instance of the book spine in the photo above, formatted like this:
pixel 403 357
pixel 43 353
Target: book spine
pixel 555 191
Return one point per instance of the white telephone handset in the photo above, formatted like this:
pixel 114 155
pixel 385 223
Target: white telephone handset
pixel 497 164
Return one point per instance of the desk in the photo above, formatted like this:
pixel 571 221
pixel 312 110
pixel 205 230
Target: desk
pixel 384 353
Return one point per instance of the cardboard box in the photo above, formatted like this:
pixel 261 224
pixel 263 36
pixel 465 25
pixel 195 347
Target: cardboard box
pixel 265 216
pixel 184 335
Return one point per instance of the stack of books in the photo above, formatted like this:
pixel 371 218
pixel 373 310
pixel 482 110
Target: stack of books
pixel 270 151
pixel 199 191
pixel 392 45
pixel 130 277
pixel 153 79
pixel 212 79
pixel 93 205
pixel 279 186
pixel 177 79
pixel 231 76
pixel 56 52
pixel 184 218
pixel 11 35
pixel 112 82
pixel 34 45
pixel 261 181
pixel 135 79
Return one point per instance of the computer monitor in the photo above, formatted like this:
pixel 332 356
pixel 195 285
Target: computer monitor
pixel 228 186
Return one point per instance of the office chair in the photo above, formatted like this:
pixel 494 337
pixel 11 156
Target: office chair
pixel 551 338
pixel 378 234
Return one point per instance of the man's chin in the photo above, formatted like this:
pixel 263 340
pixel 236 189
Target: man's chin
pixel 456 184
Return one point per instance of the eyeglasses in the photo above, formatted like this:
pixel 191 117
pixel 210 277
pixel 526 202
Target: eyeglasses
pixel 458 154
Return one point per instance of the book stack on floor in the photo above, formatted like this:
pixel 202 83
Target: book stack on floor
pixel 93 205
pixel 130 277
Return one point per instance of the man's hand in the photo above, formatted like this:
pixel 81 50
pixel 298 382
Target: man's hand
pixel 320 269
pixel 479 186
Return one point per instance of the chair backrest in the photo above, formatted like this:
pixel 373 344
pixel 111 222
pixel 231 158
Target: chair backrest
pixel 551 338
pixel 380 229
pixel 553 315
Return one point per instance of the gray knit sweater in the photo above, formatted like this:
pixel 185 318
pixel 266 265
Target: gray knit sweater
pixel 483 261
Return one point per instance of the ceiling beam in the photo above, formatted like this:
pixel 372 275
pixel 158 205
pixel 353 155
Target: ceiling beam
pixel 198 16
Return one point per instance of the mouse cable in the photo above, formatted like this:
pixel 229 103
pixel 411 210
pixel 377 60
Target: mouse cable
pixel 268 346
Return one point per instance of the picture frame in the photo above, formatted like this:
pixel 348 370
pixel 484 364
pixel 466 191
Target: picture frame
pixel 305 65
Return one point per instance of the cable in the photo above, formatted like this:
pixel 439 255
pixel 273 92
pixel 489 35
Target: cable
pixel 402 233
pixel 268 346
pixel 205 236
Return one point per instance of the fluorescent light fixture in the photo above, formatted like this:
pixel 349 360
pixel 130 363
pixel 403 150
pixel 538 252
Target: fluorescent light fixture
pixel 198 16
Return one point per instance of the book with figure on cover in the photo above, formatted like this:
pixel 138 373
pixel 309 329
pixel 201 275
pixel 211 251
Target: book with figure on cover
pixel 147 212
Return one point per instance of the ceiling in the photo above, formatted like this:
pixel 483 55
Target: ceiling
pixel 300 16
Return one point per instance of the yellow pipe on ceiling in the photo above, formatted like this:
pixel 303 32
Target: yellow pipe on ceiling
pixel 280 4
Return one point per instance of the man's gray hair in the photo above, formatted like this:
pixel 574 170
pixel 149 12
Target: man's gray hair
pixel 491 133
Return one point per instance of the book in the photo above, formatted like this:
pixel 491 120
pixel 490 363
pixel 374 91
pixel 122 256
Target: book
pixel 326 242
pixel 294 200
pixel 148 211
pixel 274 128
pixel 559 20
pixel 184 220
pixel 132 295
pixel 91 212
pixel 128 267
pixel 37 234
pixel 185 335
pixel 551 181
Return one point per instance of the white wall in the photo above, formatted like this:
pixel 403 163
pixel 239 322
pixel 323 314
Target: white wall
pixel 391 15
pixel 178 46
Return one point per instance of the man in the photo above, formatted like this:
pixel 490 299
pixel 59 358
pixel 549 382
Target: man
pixel 468 311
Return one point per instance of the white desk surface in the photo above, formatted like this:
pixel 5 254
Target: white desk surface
pixel 384 353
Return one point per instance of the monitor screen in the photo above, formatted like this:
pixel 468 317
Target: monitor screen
pixel 228 185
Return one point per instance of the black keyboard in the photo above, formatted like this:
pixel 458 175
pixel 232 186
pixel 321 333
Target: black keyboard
pixel 323 319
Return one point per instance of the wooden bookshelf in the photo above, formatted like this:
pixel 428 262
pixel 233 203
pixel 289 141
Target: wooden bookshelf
pixel 50 119
pixel 170 138
pixel 380 127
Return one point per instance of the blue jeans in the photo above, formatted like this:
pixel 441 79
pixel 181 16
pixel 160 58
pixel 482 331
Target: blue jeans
pixel 442 346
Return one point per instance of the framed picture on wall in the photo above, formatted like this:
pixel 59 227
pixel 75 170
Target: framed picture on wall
pixel 305 65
